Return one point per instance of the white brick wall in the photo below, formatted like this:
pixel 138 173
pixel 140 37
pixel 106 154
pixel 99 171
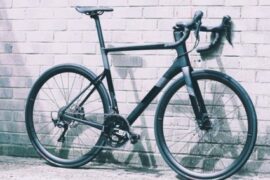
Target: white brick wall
pixel 37 34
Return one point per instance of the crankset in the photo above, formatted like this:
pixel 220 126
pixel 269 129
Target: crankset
pixel 117 131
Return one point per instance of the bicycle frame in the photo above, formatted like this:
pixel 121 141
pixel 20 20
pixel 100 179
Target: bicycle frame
pixel 181 64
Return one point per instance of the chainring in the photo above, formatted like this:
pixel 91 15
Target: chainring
pixel 116 129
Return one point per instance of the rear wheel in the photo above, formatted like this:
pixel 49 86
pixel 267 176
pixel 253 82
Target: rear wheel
pixel 60 141
pixel 215 153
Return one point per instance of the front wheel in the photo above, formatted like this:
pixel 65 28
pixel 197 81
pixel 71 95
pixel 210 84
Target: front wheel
pixel 215 153
pixel 61 141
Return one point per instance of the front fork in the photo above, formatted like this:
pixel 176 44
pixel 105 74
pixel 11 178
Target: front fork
pixel 196 99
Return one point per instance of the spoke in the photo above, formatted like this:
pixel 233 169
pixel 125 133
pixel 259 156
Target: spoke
pixel 75 76
pixel 47 123
pixel 66 98
pixel 182 137
pixel 79 139
pixel 45 135
pixel 52 94
pixel 59 89
pixel 236 108
pixel 79 99
pixel 40 115
pixel 52 100
pixel 92 101
pixel 215 96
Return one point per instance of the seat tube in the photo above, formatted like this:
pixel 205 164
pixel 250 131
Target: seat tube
pixel 106 64
pixel 101 43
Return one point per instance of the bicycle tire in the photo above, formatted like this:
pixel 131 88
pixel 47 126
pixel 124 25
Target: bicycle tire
pixel 198 160
pixel 45 99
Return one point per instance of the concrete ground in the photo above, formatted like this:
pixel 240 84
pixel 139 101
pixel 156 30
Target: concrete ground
pixel 13 168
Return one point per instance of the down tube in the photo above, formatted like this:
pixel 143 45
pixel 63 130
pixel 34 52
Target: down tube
pixel 170 73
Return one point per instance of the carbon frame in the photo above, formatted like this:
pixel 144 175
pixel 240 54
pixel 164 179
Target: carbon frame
pixel 181 64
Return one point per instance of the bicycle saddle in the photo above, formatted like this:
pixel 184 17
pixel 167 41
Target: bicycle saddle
pixel 92 10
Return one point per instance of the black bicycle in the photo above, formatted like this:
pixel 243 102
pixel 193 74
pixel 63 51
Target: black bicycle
pixel 205 122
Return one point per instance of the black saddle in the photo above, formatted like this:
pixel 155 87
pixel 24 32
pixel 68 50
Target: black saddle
pixel 92 10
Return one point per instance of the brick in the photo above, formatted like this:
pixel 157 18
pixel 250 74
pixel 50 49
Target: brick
pixel 60 59
pixel 20 93
pixel 244 24
pixel 158 12
pixel 240 2
pixel 25 25
pixel 81 24
pixel 153 61
pixel 20 71
pixel 264 2
pixel 39 60
pixel 113 2
pixel 114 24
pixel 81 48
pixel 255 12
pixel 14 13
pixel 242 75
pixel 126 61
pixel 255 37
pixel 174 2
pixel 6 4
pixel 66 13
pixel 56 25
pixel 125 12
pixel 126 36
pixel 263 101
pixel 53 3
pixel 157 36
pixel 208 2
pixel 255 63
pixel 4 138
pixel 12 36
pixel 41 48
pixel 183 12
pixel 263 76
pixel 6 115
pixel 263 50
pixel 68 36
pixel 6 93
pixel 41 36
pixel 25 3
pixel 12 104
pixel 239 50
pixel 218 12
pixel 143 3
pixel 5 25
pixel 39 13
pixel 264 24
pixel 141 24
pixel 11 59
pixel 166 24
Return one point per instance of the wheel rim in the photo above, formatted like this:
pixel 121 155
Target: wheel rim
pixel 199 153
pixel 81 141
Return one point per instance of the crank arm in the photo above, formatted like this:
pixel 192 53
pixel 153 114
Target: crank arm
pixel 89 123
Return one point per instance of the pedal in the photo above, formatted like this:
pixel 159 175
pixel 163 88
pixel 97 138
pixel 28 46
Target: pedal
pixel 134 138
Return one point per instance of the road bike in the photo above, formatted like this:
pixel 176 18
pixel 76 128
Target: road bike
pixel 205 122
